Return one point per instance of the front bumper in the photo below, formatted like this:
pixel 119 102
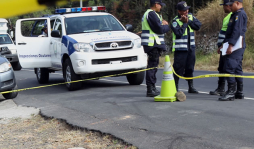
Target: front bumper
pixel 7 81
pixel 108 61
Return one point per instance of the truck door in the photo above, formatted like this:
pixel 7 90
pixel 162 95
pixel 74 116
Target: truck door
pixel 33 47
pixel 55 46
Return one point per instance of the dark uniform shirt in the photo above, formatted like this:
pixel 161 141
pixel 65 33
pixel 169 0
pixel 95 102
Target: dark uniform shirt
pixel 156 26
pixel 237 27
pixel 180 30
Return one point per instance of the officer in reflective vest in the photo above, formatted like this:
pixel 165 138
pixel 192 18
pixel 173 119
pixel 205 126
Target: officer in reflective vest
pixel 183 27
pixel 221 83
pixel 152 39
pixel 237 27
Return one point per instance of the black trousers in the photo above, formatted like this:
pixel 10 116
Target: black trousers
pixel 233 65
pixel 184 62
pixel 220 68
pixel 153 61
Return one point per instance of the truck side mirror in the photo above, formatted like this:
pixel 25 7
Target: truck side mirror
pixel 129 27
pixel 56 33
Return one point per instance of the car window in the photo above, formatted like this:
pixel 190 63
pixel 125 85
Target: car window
pixel 52 23
pixel 32 28
pixel 37 30
pixel 86 24
pixel 58 26
pixel 5 39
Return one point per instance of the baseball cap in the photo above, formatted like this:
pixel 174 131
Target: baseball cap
pixel 182 6
pixel 225 2
pixel 157 2
pixel 232 1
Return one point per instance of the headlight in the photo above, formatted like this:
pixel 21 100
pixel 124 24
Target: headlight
pixel 137 43
pixel 5 67
pixel 13 51
pixel 83 47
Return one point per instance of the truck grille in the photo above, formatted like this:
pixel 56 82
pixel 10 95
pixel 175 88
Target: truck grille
pixel 113 45
pixel 112 60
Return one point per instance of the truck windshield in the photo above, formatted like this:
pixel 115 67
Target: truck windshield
pixel 87 24
pixel 5 39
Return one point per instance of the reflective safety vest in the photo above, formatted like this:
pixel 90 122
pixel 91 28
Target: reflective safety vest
pixel 148 36
pixel 182 43
pixel 222 34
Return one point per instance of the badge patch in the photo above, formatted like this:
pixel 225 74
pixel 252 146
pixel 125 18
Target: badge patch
pixel 174 24
pixel 185 4
pixel 236 18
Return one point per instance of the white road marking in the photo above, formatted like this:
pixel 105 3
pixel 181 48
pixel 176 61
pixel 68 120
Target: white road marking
pixel 140 84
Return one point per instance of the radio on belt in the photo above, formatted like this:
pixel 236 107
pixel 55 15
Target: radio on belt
pixel 83 42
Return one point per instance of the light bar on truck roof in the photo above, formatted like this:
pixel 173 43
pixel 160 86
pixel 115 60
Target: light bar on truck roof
pixel 80 9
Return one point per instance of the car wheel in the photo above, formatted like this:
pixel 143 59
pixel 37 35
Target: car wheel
pixel 11 95
pixel 136 78
pixel 42 75
pixel 16 66
pixel 70 75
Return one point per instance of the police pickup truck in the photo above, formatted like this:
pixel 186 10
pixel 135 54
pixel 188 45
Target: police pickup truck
pixel 80 43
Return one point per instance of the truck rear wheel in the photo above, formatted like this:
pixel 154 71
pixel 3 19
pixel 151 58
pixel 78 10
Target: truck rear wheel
pixel 16 66
pixel 136 78
pixel 42 75
pixel 70 75
pixel 11 95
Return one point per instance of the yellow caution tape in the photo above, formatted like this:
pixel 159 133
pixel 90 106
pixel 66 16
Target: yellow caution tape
pixel 210 76
pixel 126 73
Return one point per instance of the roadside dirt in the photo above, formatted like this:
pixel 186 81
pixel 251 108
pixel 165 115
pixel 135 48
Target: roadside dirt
pixel 38 132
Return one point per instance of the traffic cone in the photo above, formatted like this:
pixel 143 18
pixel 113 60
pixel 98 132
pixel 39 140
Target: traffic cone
pixel 168 87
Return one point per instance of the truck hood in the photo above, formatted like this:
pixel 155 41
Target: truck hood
pixel 10 46
pixel 104 36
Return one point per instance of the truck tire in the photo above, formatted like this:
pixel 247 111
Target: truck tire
pixel 70 75
pixel 136 78
pixel 11 95
pixel 42 75
pixel 16 66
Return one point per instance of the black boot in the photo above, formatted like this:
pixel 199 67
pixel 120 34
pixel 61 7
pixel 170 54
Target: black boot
pixel 155 89
pixel 220 90
pixel 150 91
pixel 239 92
pixel 191 87
pixel 230 93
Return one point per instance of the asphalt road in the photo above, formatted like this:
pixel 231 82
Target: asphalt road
pixel 112 106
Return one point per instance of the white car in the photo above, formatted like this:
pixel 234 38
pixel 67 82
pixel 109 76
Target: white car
pixel 82 45
pixel 9 50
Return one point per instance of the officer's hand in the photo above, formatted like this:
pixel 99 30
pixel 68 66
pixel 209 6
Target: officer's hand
pixel 164 22
pixel 218 51
pixel 229 50
pixel 184 19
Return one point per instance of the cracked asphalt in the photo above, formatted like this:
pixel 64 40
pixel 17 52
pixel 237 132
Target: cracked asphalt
pixel 112 106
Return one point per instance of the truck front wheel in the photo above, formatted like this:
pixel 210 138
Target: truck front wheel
pixel 70 75
pixel 136 78
pixel 42 75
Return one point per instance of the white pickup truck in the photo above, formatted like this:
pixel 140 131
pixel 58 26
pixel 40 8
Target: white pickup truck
pixel 82 44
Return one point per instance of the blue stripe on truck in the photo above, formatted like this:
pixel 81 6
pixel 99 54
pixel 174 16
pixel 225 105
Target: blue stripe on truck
pixel 70 47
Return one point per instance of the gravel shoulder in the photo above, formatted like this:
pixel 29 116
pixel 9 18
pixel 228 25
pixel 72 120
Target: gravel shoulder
pixel 23 127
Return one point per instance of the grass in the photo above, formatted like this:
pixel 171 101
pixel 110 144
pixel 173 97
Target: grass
pixel 38 132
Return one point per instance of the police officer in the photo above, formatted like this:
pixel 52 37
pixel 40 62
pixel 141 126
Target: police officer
pixel 183 27
pixel 237 27
pixel 152 39
pixel 221 83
